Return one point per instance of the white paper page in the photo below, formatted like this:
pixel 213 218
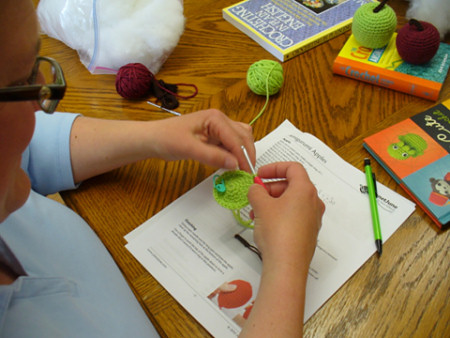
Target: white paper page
pixel 189 247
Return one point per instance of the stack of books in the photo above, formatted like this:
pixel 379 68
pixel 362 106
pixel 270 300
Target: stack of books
pixel 384 67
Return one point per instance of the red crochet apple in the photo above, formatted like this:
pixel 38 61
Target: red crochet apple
pixel 417 42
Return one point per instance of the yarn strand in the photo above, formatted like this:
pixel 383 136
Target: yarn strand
pixel 267 97
pixel 178 95
pixel 265 77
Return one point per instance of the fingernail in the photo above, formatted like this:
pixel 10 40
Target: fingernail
pixel 230 163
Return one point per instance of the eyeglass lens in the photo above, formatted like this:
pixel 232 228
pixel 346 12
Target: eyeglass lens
pixel 46 74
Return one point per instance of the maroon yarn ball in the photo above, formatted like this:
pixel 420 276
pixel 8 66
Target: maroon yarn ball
pixel 133 81
pixel 417 42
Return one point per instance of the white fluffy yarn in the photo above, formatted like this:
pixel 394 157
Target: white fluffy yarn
pixel 436 12
pixel 144 31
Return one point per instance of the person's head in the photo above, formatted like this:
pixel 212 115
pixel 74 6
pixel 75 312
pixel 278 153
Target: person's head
pixel 19 43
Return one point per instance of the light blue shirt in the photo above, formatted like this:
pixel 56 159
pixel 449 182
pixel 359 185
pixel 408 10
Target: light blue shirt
pixel 69 284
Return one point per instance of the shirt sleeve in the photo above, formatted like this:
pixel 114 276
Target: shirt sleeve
pixel 47 158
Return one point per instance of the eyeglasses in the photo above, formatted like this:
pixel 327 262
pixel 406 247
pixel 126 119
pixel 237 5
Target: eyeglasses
pixel 46 85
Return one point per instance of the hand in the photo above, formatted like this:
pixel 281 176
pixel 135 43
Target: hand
pixel 287 217
pixel 208 136
pixel 287 221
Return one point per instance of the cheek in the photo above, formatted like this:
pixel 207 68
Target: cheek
pixel 16 126
pixel 16 129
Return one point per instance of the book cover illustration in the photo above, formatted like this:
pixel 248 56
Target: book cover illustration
pixel 384 67
pixel 287 28
pixel 416 152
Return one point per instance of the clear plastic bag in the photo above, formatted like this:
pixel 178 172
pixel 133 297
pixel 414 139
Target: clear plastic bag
pixel 108 34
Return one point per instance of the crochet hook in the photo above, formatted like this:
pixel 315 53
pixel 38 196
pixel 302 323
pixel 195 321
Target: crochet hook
pixel 256 178
pixel 165 109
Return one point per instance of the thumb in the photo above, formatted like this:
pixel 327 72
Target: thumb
pixel 257 196
pixel 214 156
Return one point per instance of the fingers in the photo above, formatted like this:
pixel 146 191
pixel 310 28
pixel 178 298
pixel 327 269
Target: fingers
pixel 276 189
pixel 288 218
pixel 286 170
pixel 231 135
pixel 214 156
pixel 292 174
pixel 208 136
pixel 257 194
pixel 295 185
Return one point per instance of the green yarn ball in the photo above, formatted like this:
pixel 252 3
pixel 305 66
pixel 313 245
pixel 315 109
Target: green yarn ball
pixel 237 183
pixel 374 30
pixel 265 77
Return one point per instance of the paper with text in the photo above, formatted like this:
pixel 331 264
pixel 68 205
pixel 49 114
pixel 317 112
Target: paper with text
pixel 189 247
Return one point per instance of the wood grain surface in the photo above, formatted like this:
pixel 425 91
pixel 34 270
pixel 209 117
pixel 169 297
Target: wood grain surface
pixel 405 293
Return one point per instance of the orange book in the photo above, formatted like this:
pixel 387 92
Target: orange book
pixel 385 68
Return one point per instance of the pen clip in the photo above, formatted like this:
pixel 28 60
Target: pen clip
pixel 375 184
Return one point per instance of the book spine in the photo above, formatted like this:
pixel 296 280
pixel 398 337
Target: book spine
pixel 402 185
pixel 253 34
pixel 387 78
pixel 303 48
pixel 423 206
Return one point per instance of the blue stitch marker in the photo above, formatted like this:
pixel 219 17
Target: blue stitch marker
pixel 220 187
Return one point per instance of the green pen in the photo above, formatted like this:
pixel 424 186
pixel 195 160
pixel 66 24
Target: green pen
pixel 372 190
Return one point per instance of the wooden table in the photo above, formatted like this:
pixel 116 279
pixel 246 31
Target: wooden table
pixel 403 293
